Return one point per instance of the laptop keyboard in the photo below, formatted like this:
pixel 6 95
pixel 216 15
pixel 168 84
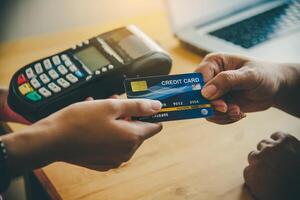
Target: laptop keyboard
pixel 262 27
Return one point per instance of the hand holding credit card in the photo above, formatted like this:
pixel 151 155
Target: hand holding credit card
pixel 179 94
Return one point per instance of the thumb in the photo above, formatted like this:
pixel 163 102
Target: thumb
pixel 138 107
pixel 147 130
pixel 226 81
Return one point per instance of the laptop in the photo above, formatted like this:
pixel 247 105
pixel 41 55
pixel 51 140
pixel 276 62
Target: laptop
pixel 262 28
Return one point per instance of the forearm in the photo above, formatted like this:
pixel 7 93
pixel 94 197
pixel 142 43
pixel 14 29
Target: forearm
pixel 288 97
pixel 31 148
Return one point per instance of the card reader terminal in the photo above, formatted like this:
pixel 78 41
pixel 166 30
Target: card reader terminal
pixel 96 67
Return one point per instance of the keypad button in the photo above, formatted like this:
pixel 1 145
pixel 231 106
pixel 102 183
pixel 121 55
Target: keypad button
pixel 21 79
pixel 65 57
pixel 63 83
pixel 44 78
pixel 38 68
pixel 25 88
pixel 88 78
pixel 62 69
pixel 47 64
pixel 79 74
pixel 34 96
pixel 53 74
pixel 44 92
pixel 68 63
pixel 55 88
pixel 56 60
pixel 72 78
pixel 104 69
pixel 111 66
pixel 35 83
pixel 29 73
pixel 97 72
pixel 73 68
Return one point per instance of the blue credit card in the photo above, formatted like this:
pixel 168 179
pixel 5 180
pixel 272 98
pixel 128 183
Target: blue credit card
pixel 179 94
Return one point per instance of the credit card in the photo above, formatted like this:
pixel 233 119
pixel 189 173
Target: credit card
pixel 179 94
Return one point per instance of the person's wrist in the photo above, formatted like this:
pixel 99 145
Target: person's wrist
pixel 31 148
pixel 289 83
pixel 282 84
pixel 52 139
pixel 59 139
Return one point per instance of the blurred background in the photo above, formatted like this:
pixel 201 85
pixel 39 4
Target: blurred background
pixel 19 18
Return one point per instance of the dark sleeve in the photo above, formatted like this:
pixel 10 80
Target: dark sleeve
pixel 5 179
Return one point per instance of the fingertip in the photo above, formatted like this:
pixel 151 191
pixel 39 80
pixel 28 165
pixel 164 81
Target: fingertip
pixel 253 157
pixel 219 105
pixel 234 110
pixel 115 96
pixel 155 105
pixel 138 107
pixel 206 77
pixel 221 109
pixel 149 129
pixel 89 99
pixel 205 69
pixel 209 91
pixel 277 135
pixel 161 125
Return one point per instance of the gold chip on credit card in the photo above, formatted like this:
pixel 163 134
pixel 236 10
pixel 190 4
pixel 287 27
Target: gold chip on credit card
pixel 138 86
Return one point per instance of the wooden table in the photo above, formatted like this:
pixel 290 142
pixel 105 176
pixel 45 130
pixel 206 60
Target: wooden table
pixel 191 159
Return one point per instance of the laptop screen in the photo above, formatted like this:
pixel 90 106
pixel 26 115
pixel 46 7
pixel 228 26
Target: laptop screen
pixel 186 12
